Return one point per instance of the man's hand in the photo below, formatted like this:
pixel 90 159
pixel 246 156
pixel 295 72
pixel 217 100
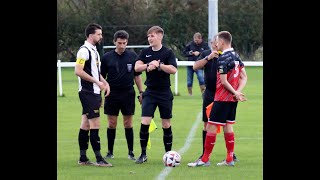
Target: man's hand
pixel 214 54
pixel 153 65
pixel 101 85
pixel 140 98
pixel 107 90
pixel 239 96
pixel 196 53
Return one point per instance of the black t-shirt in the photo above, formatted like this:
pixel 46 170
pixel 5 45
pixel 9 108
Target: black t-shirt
pixel 210 71
pixel 158 78
pixel 119 69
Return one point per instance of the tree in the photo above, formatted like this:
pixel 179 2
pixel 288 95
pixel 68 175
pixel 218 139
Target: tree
pixel 179 18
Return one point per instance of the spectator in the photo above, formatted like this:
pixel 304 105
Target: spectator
pixel 192 51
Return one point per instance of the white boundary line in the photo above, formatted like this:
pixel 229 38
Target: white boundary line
pixel 163 174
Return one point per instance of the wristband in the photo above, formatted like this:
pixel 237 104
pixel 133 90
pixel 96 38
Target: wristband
pixel 206 58
pixel 159 69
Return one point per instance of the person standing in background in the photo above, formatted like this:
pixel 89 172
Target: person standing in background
pixel 192 51
pixel 117 66
pixel 91 83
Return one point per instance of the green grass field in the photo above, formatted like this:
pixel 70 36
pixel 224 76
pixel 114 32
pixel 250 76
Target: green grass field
pixel 187 137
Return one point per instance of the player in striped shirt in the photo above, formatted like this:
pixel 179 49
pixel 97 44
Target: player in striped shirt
pixel 91 83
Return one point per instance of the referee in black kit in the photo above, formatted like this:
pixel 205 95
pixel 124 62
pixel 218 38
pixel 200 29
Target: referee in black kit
pixel 118 67
pixel 159 62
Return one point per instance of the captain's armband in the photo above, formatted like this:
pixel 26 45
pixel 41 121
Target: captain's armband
pixel 80 61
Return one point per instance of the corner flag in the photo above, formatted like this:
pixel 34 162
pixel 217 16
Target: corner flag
pixel 152 127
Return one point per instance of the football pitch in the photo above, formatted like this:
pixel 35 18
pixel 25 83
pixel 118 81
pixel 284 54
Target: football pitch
pixel 187 137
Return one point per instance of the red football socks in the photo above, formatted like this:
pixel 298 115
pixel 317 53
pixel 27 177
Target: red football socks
pixel 208 145
pixel 229 139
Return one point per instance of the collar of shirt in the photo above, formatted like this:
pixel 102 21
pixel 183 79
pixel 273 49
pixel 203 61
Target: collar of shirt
pixel 86 43
pixel 229 49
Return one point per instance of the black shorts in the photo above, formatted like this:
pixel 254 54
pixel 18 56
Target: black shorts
pixel 117 100
pixel 208 96
pixel 90 104
pixel 223 112
pixel 153 98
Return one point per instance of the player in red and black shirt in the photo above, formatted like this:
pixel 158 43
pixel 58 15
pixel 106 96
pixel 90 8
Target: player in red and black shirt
pixel 208 61
pixel 231 79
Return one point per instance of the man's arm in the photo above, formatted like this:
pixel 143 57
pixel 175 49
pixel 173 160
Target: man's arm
pixel 78 69
pixel 138 82
pixel 107 86
pixel 187 52
pixel 203 60
pixel 170 69
pixel 140 66
pixel 243 80
pixel 226 84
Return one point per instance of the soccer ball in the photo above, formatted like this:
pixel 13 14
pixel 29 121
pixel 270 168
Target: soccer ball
pixel 171 159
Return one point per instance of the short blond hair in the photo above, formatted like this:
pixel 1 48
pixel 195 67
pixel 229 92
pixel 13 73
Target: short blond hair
pixel 156 29
pixel 226 36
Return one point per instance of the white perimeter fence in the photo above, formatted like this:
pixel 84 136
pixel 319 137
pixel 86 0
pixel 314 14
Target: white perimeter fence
pixel 179 63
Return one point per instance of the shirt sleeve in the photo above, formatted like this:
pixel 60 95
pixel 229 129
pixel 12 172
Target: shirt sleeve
pixel 202 55
pixel 82 56
pixel 187 50
pixel 134 63
pixel 172 59
pixel 142 56
pixel 104 67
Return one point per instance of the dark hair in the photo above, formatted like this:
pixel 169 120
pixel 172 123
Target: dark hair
pixel 156 29
pixel 226 36
pixel 122 34
pixel 91 29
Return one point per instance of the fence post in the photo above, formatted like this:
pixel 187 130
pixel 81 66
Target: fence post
pixel 176 83
pixel 59 77
pixel 176 80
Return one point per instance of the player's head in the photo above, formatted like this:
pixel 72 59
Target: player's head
pixel 93 33
pixel 120 39
pixel 223 40
pixel 155 36
pixel 197 38
pixel 213 42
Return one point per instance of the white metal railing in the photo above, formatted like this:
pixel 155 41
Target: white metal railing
pixel 179 63
pixel 128 46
